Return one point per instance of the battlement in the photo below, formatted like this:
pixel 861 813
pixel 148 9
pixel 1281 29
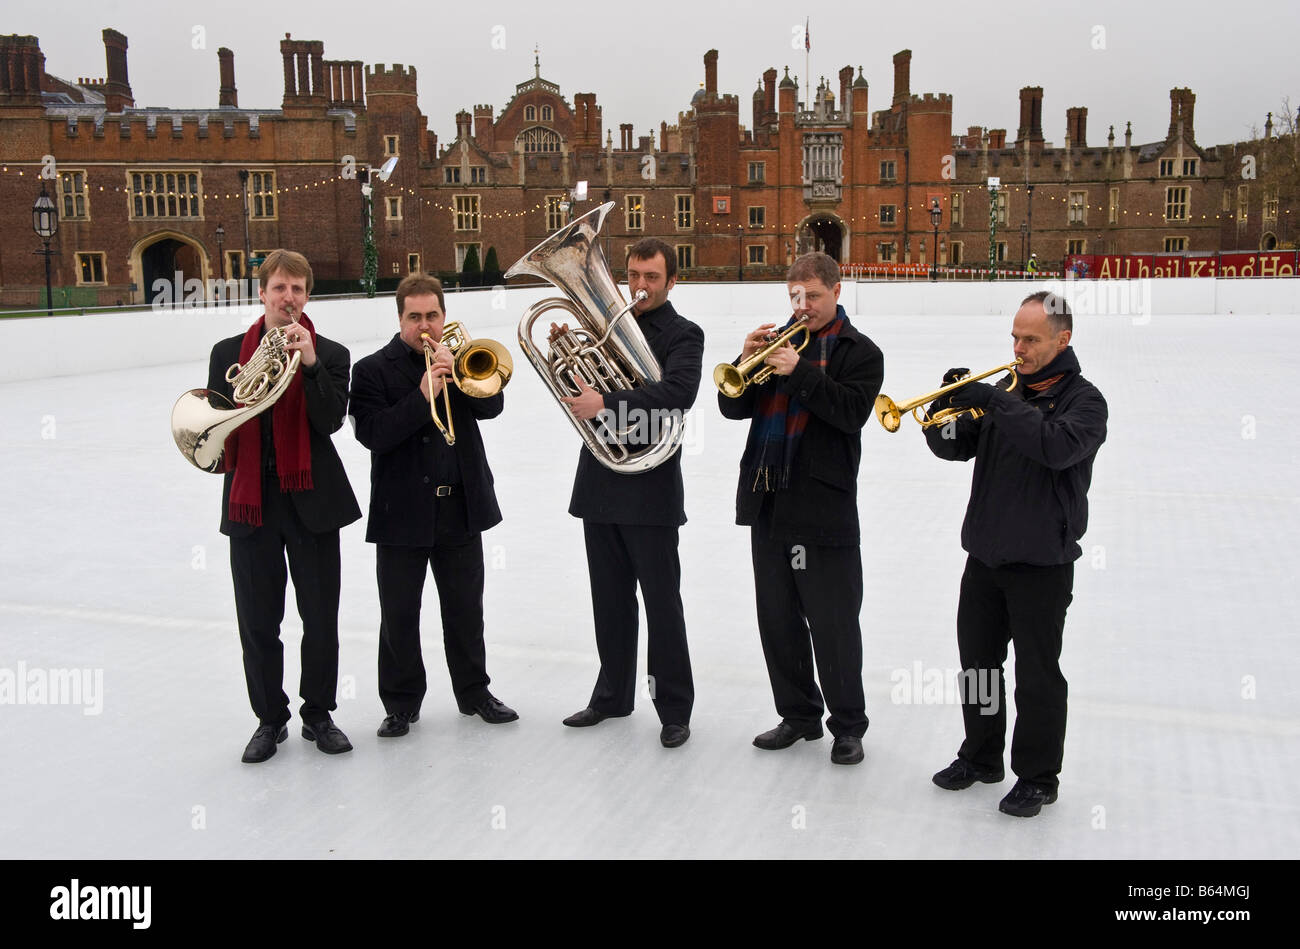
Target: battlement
pixel 393 80
pixel 481 109
pixel 932 99
pixel 396 70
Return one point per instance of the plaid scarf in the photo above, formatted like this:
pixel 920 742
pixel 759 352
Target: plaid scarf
pixel 290 432
pixel 779 419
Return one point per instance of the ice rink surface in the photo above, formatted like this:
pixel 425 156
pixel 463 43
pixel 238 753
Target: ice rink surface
pixel 1180 646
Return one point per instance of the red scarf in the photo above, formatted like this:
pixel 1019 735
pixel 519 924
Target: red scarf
pixel 291 434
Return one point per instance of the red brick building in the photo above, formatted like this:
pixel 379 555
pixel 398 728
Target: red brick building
pixel 145 194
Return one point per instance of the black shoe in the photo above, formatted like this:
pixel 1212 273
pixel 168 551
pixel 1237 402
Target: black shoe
pixel 847 749
pixel 492 710
pixel 674 736
pixel 328 737
pixel 1026 800
pixel 398 724
pixel 962 774
pixel 786 734
pixel 262 745
pixel 588 716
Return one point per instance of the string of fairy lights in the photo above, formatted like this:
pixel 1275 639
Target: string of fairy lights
pixel 697 220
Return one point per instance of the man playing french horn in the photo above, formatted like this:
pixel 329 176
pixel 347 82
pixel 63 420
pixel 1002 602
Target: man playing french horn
pixel 286 492
pixel 431 497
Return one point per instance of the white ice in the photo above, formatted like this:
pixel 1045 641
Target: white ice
pixel 1180 646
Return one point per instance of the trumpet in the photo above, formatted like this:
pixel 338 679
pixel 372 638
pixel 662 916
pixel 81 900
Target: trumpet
pixel 479 368
pixel 890 413
pixel 734 380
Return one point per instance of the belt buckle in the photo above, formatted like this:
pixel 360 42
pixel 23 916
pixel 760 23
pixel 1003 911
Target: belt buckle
pixel 443 490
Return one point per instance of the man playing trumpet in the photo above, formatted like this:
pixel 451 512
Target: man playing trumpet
pixel 798 495
pixel 429 504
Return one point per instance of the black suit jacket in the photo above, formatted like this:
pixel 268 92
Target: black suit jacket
pixel 393 420
pixel 820 506
pixel 330 504
pixel 654 497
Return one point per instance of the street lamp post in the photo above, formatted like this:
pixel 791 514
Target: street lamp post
pixel 994 185
pixel 936 215
pixel 45 222
pixel 369 253
pixel 248 252
pixel 1029 244
pixel 221 254
pixel 1023 259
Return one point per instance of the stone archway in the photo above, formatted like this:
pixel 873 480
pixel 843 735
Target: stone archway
pixel 823 232
pixel 171 257
pixel 1268 241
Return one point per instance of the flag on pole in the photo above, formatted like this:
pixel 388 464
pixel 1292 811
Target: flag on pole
pixel 807 37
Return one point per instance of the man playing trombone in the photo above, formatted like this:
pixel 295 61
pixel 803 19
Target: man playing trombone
pixel 1033 448
pixel 798 495
pixel 430 501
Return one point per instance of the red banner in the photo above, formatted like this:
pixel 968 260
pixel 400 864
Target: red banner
pixel 1284 263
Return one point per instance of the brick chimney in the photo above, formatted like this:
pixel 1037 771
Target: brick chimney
pixel 484 128
pixel 997 138
pixel 846 81
pixel 463 120
pixel 625 136
pixel 902 75
pixel 769 95
pixel 1182 107
pixel 1031 115
pixel 1076 126
pixel 22 70
pixel 117 88
pixel 228 95
pixel 711 72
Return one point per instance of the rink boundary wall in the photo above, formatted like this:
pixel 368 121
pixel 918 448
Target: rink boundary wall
pixel 43 347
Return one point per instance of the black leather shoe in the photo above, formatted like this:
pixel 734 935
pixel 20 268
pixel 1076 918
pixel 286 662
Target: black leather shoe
pixel 328 737
pixel 588 716
pixel 397 725
pixel 1026 800
pixel 674 736
pixel 262 745
pixel 785 735
pixel 492 710
pixel 847 749
pixel 962 774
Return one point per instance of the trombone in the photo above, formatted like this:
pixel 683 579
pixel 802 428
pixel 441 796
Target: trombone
pixel 734 380
pixel 480 369
pixel 890 413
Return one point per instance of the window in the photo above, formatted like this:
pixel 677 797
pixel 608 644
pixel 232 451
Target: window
pixel 685 211
pixel 1175 244
pixel 547 113
pixel 258 257
pixel 757 172
pixel 394 206
pixel 412 263
pixel 1002 201
pixel 396 269
pixel 1243 202
pixel 390 145
pixel 530 113
pixel 685 256
pixel 634 212
pixel 1112 213
pixel 467 218
pixel 1078 207
pixel 164 194
pixel 72 189
pixel 90 268
pixel 887 213
pixel 954 209
pixel 758 217
pixel 888 171
pixel 823 154
pixel 538 139
pixel 1189 166
pixel 1166 168
pixel 554 213
pixel 1002 251
pixel 757 254
pixel 462 251
pixel 1227 200
pixel 478 174
pixel 451 176
pixel 234 264
pixel 1270 204
pixel 261 195
pixel 1073 247
pixel 954 253
pixel 885 252
pixel 1176 204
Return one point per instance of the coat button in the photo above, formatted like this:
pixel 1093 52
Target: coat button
pixel 426 479
pixel 425 439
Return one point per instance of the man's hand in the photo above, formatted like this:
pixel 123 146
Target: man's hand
pixel 300 341
pixel 442 363
pixel 783 360
pixel 757 340
pixel 952 375
pixel 557 332
pixel 587 404
pixel 974 395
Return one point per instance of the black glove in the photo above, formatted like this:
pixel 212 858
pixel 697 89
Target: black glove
pixel 973 395
pixel 952 375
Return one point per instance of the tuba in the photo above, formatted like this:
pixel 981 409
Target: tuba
pixel 608 351
pixel 202 420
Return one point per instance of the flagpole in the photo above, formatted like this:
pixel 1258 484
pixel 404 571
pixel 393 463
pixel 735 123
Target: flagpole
pixel 807 49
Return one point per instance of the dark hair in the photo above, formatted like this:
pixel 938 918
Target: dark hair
pixel 415 285
pixel 815 265
pixel 647 247
pixel 290 261
pixel 1058 312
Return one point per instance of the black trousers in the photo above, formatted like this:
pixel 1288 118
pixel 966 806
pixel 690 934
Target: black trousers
pixel 808 598
pixel 457 561
pixel 1024 605
pixel 258 570
pixel 619 556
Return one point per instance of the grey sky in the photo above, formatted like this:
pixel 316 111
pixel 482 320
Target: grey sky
pixel 644 64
